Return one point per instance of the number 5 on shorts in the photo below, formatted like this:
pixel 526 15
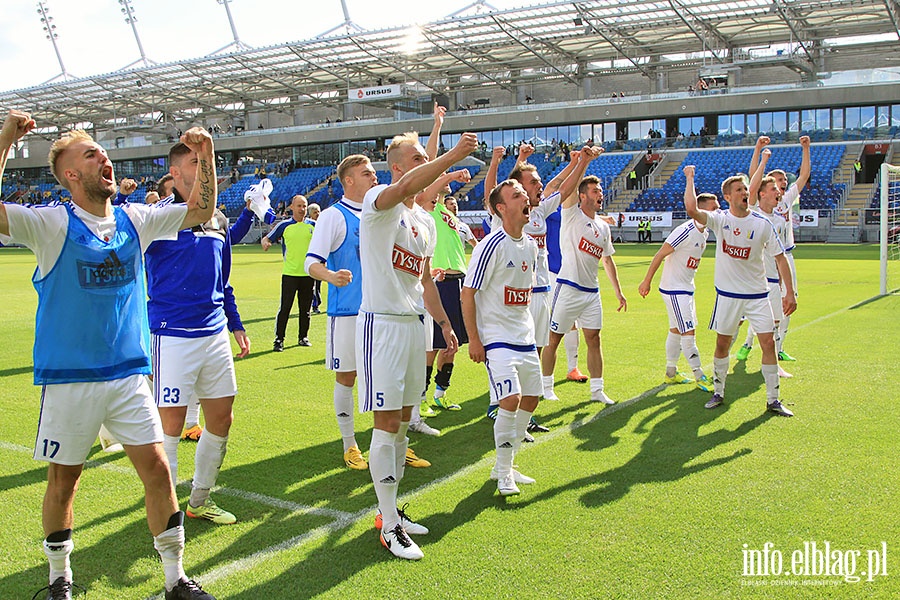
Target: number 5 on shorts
pixel 379 399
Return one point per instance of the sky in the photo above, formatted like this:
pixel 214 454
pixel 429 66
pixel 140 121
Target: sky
pixel 93 37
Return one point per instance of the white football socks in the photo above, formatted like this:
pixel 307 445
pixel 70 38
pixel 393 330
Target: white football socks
pixel 207 462
pixel 343 410
pixel 170 446
pixel 383 467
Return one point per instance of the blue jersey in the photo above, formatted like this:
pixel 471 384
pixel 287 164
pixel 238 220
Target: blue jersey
pixel 554 255
pixel 91 322
pixel 188 281
pixel 345 301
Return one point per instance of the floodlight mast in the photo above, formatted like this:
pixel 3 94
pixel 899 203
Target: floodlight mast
pixel 50 34
pixel 237 44
pixel 131 19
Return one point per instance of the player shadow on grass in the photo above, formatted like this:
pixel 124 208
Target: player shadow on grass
pixel 669 452
pixel 111 558
pixel 339 557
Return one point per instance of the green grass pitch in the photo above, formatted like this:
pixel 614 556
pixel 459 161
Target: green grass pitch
pixel 653 498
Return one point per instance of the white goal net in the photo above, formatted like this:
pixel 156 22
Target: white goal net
pixel 889 214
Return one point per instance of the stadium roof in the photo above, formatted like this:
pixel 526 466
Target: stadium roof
pixel 564 41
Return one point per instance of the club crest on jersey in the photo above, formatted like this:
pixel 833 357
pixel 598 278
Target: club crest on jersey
pixel 516 296
pixel 593 229
pixel 524 266
pixel 404 260
pixel 738 252
pixel 737 231
pixel 590 248
pixel 693 263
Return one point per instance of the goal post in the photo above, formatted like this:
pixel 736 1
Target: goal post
pixel 889 221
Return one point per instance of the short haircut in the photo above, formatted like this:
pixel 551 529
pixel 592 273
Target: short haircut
pixel 314 208
pixel 766 181
pixel 60 146
pixel 150 194
pixel 705 197
pixel 775 172
pixel 352 161
pixel 299 196
pixel 178 152
pixel 409 138
pixel 495 198
pixel 161 184
pixel 726 185
pixel 587 182
pixel 520 169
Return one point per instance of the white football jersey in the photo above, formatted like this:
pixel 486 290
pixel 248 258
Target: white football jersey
pixel 393 245
pixel 502 272
pixel 689 242
pixel 781 227
pixel 536 228
pixel 740 245
pixel 583 241
pixel 785 209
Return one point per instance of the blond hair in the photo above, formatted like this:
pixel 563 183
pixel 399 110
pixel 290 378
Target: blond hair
pixel 60 146
pixel 726 185
pixel 352 161
pixel 520 168
pixel 410 138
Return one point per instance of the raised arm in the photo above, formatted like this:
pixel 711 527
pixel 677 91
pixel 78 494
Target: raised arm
pixel 761 142
pixel 424 175
pixel 16 125
pixel 202 201
pixel 436 188
pixel 490 179
pixel 556 182
pixel 658 258
pixel 690 196
pixel 756 179
pixel 805 164
pixel 569 187
pixel 525 150
pixel 431 147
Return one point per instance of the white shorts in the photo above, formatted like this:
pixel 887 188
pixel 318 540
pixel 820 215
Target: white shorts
pixel 571 304
pixel 775 301
pixel 71 415
pixel 340 344
pixel 391 361
pixel 682 313
pixel 429 333
pixel 186 367
pixel 513 372
pixel 726 315
pixel 540 314
pixel 550 295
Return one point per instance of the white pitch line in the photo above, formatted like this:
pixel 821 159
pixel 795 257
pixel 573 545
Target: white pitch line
pixel 345 520
pixel 349 520
pixel 292 507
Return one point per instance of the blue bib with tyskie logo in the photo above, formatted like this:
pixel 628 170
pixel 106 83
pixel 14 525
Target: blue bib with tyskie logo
pixel 91 322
